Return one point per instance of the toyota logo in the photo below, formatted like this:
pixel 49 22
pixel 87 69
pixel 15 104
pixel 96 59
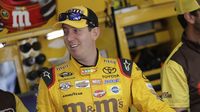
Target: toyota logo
pixel 109 70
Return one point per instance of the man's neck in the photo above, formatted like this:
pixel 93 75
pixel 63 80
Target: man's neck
pixel 193 35
pixel 90 60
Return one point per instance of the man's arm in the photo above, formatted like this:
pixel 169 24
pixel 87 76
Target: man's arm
pixel 143 97
pixel 44 102
pixel 175 90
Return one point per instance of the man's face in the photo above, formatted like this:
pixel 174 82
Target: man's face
pixel 197 21
pixel 79 41
pixel 197 24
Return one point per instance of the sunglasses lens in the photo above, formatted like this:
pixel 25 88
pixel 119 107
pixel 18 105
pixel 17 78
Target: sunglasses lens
pixel 62 17
pixel 74 16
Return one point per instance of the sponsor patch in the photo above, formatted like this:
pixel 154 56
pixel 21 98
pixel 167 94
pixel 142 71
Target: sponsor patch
pixel 87 71
pixel 73 94
pixel 149 86
pixel 127 65
pixel 96 81
pixel 99 93
pixel 65 85
pixel 46 74
pixel 109 70
pixel 152 90
pixel 4 14
pixel 114 90
pixel 111 81
pixel 166 95
pixel 110 61
pixel 65 74
pixel 61 67
pixel 110 76
pixel 82 84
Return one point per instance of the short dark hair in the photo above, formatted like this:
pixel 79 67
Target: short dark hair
pixel 93 19
pixel 90 28
pixel 182 20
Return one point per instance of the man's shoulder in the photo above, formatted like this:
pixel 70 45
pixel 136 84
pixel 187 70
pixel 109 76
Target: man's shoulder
pixel 48 76
pixel 125 66
pixel 176 53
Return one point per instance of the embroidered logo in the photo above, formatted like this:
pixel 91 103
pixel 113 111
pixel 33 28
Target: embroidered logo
pixel 65 74
pixel 127 65
pixel 46 74
pixel 115 89
pixel 96 81
pixel 65 85
pixel 99 93
pixel 111 81
pixel 109 70
pixel 87 71
pixel 82 84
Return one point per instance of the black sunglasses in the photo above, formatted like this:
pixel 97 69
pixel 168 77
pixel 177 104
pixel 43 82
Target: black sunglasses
pixel 75 16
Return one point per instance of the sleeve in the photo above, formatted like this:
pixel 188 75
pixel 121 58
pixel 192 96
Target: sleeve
pixel 44 101
pixel 20 107
pixel 174 85
pixel 143 99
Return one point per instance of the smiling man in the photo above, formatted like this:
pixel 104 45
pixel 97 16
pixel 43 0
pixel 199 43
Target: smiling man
pixel 95 83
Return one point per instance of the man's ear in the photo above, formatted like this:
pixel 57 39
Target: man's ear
pixel 95 32
pixel 189 18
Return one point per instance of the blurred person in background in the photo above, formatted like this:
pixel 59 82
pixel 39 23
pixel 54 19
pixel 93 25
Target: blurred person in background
pixel 11 103
pixel 180 77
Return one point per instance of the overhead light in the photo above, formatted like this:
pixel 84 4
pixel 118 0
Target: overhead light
pixel 55 34
pixel 2 45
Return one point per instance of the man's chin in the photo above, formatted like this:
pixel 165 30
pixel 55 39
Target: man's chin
pixel 75 55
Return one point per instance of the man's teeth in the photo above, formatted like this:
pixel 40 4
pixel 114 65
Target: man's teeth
pixel 75 45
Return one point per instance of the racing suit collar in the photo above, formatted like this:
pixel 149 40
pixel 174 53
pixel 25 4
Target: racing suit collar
pixel 79 65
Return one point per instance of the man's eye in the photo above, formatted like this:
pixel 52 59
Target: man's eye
pixel 76 30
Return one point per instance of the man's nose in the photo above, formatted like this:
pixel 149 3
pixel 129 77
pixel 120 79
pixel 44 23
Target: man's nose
pixel 71 35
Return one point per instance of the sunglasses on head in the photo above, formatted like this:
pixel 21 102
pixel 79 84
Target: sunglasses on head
pixel 75 16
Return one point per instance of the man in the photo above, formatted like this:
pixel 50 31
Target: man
pixel 89 82
pixel 11 103
pixel 181 71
